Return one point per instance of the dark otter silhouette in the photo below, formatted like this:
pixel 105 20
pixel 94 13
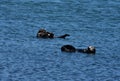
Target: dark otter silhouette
pixel 63 36
pixel 70 48
pixel 42 33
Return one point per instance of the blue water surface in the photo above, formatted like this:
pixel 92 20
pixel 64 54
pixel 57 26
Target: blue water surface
pixel 23 57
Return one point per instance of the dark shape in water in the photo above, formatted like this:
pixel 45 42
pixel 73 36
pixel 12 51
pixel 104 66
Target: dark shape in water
pixel 70 48
pixel 42 33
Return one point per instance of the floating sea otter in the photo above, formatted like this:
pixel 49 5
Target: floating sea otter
pixel 70 48
pixel 42 33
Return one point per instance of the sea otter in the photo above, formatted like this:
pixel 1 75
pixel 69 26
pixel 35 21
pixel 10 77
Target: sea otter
pixel 70 48
pixel 42 33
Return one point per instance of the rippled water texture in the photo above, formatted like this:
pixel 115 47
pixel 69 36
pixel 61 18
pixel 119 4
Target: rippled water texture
pixel 23 57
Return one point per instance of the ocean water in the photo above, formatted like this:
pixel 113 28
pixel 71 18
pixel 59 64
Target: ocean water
pixel 23 57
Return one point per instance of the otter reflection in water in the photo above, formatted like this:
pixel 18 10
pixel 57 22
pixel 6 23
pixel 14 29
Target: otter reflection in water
pixel 42 33
pixel 70 48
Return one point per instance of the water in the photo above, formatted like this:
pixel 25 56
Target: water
pixel 23 57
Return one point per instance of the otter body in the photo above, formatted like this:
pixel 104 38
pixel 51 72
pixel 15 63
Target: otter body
pixel 70 48
pixel 42 33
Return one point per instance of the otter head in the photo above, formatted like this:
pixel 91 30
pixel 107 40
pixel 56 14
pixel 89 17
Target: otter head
pixel 41 33
pixel 42 30
pixel 91 49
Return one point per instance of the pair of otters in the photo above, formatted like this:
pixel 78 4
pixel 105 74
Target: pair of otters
pixel 42 33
